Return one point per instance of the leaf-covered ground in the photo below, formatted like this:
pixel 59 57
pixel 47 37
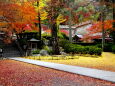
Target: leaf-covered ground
pixel 14 73
pixel 104 62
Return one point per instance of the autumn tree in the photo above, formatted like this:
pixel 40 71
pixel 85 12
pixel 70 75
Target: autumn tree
pixel 39 4
pixel 53 10
pixel 106 8
pixel 78 12
pixel 70 12
pixel 94 32
pixel 19 15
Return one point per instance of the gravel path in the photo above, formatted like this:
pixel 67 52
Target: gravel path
pixel 14 73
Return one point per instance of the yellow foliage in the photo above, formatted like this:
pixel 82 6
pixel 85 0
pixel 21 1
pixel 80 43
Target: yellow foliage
pixel 41 5
pixel 60 19
pixel 104 62
pixel 43 15
pixel 42 12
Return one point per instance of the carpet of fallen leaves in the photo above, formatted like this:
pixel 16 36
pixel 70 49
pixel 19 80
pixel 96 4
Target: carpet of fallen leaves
pixel 104 62
pixel 14 73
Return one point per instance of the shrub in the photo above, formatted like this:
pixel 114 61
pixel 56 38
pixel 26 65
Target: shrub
pixel 36 51
pixel 92 50
pixel 74 48
pixel 63 42
pixel 60 35
pixel 98 51
pixel 113 48
pixel 78 49
pixel 99 45
pixel 45 47
pixel 95 50
pixel 65 36
pixel 49 50
pixel 108 47
pixel 45 35
pixel 69 48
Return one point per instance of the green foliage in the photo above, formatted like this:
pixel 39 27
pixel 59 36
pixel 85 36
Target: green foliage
pixel 85 9
pixel 48 49
pixel 45 47
pixel 79 9
pixel 99 45
pixel 95 16
pixel 1 46
pixel 94 50
pixel 74 48
pixel 41 44
pixel 108 47
pixel 36 51
pixel 60 35
pixel 113 48
pixel 81 18
pixel 112 34
pixel 63 36
pixel 63 42
pixel 22 41
pixel 46 35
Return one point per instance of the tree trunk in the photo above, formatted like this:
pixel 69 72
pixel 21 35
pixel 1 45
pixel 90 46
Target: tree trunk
pixel 70 28
pixel 102 20
pixel 55 45
pixel 103 36
pixel 113 32
pixel 39 22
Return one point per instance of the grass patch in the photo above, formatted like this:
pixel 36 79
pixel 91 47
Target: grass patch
pixel 54 57
pixel 104 62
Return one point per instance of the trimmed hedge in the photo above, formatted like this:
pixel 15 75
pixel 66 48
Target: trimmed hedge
pixel 108 47
pixel 74 48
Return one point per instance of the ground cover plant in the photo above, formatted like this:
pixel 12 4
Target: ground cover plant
pixel 79 49
pixel 104 62
pixel 16 73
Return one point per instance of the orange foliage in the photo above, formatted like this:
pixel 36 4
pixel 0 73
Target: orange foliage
pixel 18 15
pixel 97 28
